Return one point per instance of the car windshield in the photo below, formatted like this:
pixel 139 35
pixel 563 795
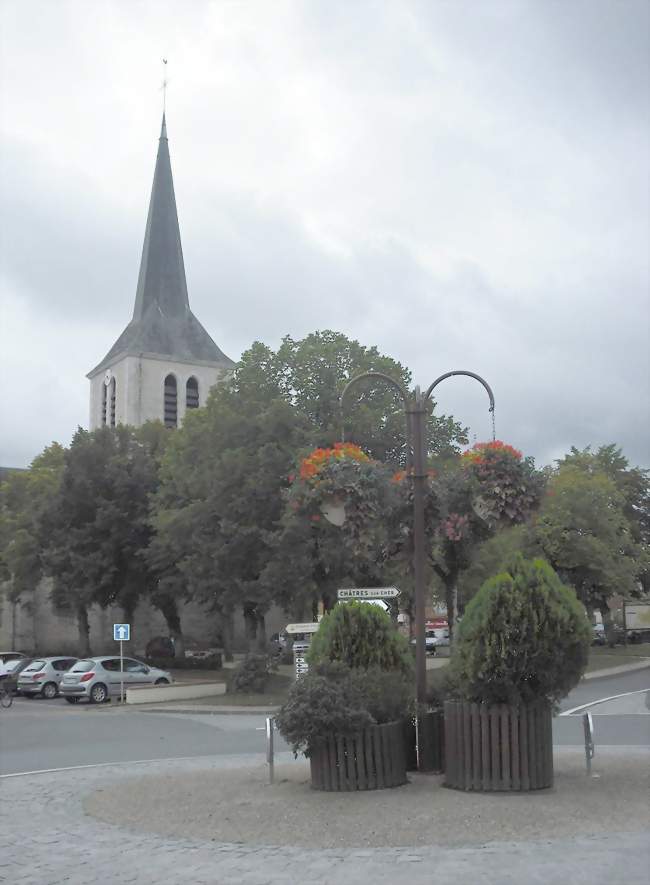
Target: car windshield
pixel 83 666
pixel 10 666
pixel 35 665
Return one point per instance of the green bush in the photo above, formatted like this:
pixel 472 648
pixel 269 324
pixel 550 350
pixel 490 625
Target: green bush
pixel 334 699
pixel 360 635
pixel 251 676
pixel 523 637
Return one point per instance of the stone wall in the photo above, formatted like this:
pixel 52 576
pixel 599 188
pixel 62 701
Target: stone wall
pixel 34 626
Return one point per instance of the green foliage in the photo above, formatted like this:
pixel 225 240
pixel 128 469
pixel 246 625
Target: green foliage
pixel 333 699
pixel 362 636
pixel 584 532
pixel 523 637
pixel 252 675
pixel 490 557
pixel 24 495
pixel 95 528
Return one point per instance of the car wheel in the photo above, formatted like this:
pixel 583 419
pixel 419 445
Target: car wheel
pixel 162 682
pixel 98 694
pixel 49 690
pixel 72 700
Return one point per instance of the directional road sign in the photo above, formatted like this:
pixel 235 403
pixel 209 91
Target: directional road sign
pixel 368 593
pixel 309 627
pixel 121 632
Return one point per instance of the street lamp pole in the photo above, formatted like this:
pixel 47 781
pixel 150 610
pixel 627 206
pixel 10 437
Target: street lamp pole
pixel 415 409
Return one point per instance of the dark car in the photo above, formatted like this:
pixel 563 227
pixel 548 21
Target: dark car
pixel 14 668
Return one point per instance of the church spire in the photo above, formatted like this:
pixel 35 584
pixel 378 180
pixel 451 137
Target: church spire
pixel 163 324
pixel 161 283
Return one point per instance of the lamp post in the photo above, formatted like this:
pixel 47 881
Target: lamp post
pixel 415 411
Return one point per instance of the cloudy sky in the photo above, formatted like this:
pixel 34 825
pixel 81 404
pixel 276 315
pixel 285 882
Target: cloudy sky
pixel 463 183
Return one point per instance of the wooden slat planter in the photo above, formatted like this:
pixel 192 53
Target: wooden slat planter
pixel 373 759
pixel 498 747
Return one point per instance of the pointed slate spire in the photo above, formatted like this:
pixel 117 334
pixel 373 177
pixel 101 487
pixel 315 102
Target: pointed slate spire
pixel 162 283
pixel 163 324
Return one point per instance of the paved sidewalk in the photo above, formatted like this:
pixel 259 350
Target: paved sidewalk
pixel 48 838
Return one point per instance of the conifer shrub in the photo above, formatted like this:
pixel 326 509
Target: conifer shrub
pixel 361 636
pixel 335 699
pixel 523 637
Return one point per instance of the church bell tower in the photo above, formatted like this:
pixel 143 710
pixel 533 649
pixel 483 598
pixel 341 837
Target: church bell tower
pixel 164 362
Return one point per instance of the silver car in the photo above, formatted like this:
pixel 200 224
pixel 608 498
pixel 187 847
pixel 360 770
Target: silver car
pixel 43 676
pixel 98 679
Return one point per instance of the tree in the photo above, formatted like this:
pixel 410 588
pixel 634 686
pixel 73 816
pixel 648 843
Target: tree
pixel 23 497
pixel 220 502
pixel 313 557
pixel 311 374
pixel 584 533
pixel 95 528
pixel 633 483
pixel 524 637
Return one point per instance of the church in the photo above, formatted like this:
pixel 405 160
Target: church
pixel 164 362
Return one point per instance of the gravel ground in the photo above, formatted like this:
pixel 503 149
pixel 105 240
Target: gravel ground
pixel 239 806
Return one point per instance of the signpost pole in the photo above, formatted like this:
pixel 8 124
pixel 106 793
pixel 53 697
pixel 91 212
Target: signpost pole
pixel 121 671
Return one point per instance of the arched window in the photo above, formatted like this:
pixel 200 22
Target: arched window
pixel 192 393
pixel 113 398
pixel 171 402
pixel 104 403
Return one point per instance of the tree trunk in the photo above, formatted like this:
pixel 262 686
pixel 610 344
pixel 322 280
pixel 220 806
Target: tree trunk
pixel 261 633
pixel 608 623
pixel 227 634
pixel 84 631
pixel 170 613
pixel 128 613
pixel 450 601
pixel 250 623
pixel 14 608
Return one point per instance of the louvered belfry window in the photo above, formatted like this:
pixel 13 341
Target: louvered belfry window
pixel 113 387
pixel 192 393
pixel 104 403
pixel 171 402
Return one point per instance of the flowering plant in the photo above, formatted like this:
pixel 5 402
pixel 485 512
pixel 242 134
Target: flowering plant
pixel 319 459
pixel 507 486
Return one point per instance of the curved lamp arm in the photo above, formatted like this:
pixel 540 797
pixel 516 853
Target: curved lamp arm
pixel 402 392
pixel 405 400
pixel 469 375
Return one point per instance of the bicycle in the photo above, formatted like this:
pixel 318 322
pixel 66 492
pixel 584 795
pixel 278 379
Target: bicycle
pixel 6 697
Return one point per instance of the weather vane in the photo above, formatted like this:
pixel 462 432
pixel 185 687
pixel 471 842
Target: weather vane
pixel 164 86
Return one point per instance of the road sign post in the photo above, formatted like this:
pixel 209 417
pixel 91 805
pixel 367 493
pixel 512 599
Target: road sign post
pixel 121 634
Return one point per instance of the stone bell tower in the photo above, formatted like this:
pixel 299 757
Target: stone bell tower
pixel 164 362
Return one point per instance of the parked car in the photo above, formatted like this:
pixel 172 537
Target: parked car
pixel 43 676
pixel 98 679
pixel 13 669
pixel 430 640
pixel 12 655
pixel 598 635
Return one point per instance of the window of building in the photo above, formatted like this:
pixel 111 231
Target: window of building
pixel 192 393
pixel 171 402
pixel 113 387
pixel 104 403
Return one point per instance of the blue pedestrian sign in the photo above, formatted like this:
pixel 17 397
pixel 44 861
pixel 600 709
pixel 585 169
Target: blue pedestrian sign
pixel 121 632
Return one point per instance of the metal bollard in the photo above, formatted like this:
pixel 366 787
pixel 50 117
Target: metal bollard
pixel 588 726
pixel 270 724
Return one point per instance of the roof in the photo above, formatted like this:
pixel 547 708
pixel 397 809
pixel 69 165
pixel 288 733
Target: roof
pixel 163 324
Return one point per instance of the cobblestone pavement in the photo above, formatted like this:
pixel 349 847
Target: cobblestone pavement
pixel 47 839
